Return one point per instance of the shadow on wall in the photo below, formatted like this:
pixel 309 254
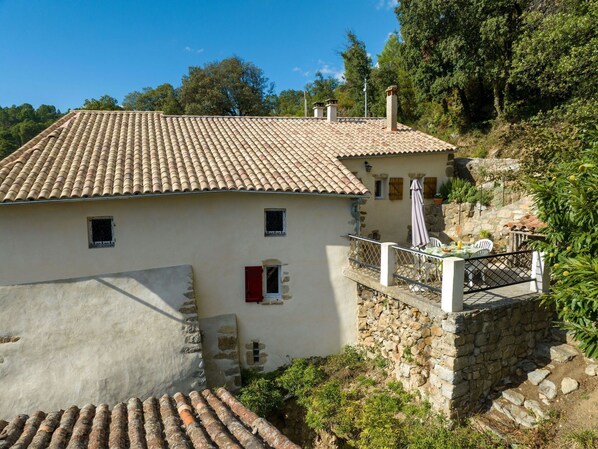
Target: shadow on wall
pixel 99 339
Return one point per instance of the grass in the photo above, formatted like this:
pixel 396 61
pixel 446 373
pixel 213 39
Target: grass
pixel 585 439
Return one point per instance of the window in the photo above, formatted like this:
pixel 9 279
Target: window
pixel 256 351
pixel 272 282
pixel 100 231
pixel 263 282
pixel 275 222
pixel 379 190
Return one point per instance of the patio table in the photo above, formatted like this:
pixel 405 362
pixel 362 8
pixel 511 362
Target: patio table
pixel 465 252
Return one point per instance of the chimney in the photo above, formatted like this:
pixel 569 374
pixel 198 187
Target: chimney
pixel 319 110
pixel 331 109
pixel 391 108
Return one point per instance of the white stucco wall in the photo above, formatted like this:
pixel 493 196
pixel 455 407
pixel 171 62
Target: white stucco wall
pixel 218 234
pixel 391 218
pixel 97 339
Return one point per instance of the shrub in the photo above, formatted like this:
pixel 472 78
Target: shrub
pixel 300 378
pixel 378 424
pixel 457 190
pixel 262 396
pixel 324 404
pixel 566 198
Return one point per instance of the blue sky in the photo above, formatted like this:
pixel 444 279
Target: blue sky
pixel 62 52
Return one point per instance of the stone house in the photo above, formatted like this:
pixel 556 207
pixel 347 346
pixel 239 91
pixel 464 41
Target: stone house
pixel 259 207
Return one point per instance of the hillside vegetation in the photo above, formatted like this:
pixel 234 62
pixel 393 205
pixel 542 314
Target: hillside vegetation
pixel 349 401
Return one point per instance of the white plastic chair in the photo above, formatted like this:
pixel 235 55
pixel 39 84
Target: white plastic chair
pixel 434 243
pixel 479 267
pixel 485 244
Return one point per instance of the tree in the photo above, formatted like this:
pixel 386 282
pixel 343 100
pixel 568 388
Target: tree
pixel 229 87
pixel 162 98
pixel 462 47
pixel 290 102
pixel 322 88
pixel 19 124
pixel 390 71
pixel 358 67
pixel 555 59
pixel 566 198
pixel 104 103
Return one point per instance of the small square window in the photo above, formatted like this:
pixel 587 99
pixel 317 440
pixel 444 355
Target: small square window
pixel 272 282
pixel 101 232
pixel 275 222
pixel 379 189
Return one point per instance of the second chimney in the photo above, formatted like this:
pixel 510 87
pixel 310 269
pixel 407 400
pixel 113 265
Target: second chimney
pixel 391 108
pixel 331 109
pixel 319 110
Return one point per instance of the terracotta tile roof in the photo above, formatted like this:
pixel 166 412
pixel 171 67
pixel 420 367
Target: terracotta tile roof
pixel 200 421
pixel 528 223
pixel 116 153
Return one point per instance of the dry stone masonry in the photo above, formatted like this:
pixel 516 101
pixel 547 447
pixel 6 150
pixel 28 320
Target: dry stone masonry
pixel 465 221
pixel 454 359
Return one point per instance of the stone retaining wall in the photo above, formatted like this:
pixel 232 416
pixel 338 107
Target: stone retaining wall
pixel 453 359
pixel 465 221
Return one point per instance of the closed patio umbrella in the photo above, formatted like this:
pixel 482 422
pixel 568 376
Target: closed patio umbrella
pixel 419 234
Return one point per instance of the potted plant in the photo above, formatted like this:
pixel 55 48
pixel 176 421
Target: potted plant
pixel 438 199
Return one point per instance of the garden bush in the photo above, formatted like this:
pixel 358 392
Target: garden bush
pixel 567 200
pixel 458 190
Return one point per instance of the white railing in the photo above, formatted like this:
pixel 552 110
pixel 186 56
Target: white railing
pixel 446 279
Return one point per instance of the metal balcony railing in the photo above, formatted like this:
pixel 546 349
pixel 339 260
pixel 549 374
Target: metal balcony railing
pixel 364 253
pixel 420 272
pixel 497 270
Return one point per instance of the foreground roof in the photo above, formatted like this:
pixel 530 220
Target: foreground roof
pixel 120 153
pixel 200 421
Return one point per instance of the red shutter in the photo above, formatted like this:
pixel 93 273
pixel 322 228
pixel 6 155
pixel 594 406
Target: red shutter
pixel 253 284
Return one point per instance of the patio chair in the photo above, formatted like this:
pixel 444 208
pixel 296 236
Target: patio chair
pixel 434 243
pixel 427 268
pixel 485 244
pixel 474 266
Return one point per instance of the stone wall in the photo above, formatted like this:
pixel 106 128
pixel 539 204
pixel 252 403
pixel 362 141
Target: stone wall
pixel 465 221
pixel 221 351
pixel 453 359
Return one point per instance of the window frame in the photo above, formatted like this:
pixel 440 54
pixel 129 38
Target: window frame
pixel 282 233
pixel 272 296
pixel 383 189
pixel 103 243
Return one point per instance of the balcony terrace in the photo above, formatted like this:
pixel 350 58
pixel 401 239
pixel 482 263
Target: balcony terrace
pixel 450 283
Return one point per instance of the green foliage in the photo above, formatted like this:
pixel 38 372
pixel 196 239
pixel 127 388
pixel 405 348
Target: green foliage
pixel 484 234
pixel 391 70
pixel 229 87
pixel 351 358
pixel 557 135
pixel 321 88
pixel 290 102
pixel 262 396
pixel 300 378
pixel 584 439
pixel 457 190
pixel 323 405
pixel 358 67
pixel 163 98
pixel 19 124
pixel 566 198
pixel 378 424
pixel 435 432
pixel 104 103
pixel 555 58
